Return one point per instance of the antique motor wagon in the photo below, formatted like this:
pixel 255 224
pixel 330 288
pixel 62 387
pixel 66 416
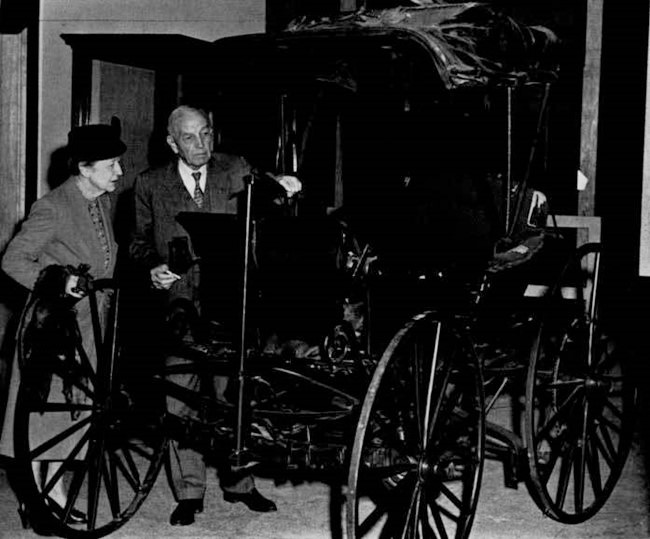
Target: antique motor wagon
pixel 383 318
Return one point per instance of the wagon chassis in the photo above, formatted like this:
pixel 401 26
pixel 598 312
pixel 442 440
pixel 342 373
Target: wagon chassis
pixel 410 428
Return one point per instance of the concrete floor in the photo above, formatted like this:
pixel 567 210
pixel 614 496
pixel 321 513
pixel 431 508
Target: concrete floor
pixel 304 512
pixel 304 509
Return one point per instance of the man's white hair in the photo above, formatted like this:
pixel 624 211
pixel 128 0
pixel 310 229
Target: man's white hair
pixel 180 112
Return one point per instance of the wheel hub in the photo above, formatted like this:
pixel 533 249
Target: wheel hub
pixel 444 468
pixel 424 469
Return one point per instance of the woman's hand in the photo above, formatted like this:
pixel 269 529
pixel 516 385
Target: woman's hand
pixel 162 278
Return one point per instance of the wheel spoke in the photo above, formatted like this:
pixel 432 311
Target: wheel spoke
pixel 94 482
pixel 605 445
pixel 84 361
pixel 418 372
pixel 84 364
pixel 66 463
pixel 110 483
pixel 128 458
pixel 547 469
pixel 412 514
pixel 608 423
pixel 592 289
pixel 437 518
pixel 565 476
pixel 56 440
pixel 398 504
pixel 447 432
pixel 593 463
pixel 371 519
pixel 128 473
pixel 452 498
pixel 66 510
pixel 425 523
pixel 78 480
pixel 429 421
pixel 580 463
pixel 565 384
pixel 407 412
pixel 76 484
pixel 614 409
pixel 561 411
pixel 449 398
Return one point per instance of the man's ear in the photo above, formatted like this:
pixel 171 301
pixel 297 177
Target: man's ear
pixel 172 143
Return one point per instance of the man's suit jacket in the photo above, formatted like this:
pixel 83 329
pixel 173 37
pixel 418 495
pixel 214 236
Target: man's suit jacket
pixel 160 196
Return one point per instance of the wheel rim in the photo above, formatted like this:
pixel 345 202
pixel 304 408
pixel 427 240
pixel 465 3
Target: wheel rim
pixel 579 399
pixel 109 458
pixel 417 457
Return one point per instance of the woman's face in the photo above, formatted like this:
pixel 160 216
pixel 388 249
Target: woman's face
pixel 102 175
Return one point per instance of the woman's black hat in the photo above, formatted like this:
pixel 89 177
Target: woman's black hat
pixel 94 142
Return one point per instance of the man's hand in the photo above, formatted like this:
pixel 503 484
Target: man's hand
pixel 291 184
pixel 538 199
pixel 71 287
pixel 537 211
pixel 162 278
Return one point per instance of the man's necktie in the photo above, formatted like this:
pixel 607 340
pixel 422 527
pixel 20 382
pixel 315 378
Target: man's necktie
pixel 198 194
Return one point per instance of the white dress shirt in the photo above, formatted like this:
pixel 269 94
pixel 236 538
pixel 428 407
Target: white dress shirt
pixel 188 180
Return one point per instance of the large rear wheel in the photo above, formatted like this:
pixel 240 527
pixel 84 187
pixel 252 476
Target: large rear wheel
pixel 417 459
pixel 579 398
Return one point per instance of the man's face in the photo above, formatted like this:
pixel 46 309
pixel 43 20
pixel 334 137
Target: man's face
pixel 192 139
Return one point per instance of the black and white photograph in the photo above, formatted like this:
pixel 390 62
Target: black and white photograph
pixel 324 269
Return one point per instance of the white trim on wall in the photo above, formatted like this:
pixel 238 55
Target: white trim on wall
pixel 644 246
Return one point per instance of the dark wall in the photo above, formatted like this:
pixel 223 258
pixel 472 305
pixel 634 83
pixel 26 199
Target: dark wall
pixel 620 160
pixel 15 15
pixel 280 12
pixel 621 128
pixel 567 20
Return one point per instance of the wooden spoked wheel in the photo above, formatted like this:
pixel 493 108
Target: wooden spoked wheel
pixel 579 399
pixel 83 429
pixel 417 459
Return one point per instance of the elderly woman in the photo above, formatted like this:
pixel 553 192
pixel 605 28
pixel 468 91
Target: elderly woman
pixel 69 226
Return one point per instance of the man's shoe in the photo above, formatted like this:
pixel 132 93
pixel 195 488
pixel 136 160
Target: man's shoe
pixel 253 500
pixel 184 513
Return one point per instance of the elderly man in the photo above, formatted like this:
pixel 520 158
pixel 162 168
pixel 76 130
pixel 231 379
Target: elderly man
pixel 199 180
